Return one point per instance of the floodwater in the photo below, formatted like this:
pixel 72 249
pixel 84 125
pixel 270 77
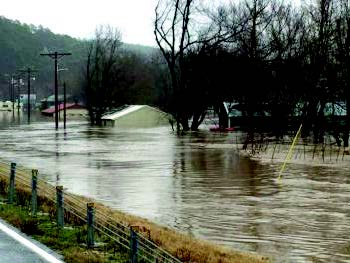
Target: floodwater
pixel 196 183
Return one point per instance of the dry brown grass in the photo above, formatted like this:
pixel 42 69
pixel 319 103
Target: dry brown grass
pixel 184 247
pixel 83 255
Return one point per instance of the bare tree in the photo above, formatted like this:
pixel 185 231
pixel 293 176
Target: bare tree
pixel 180 40
pixel 173 36
pixel 100 71
pixel 321 35
pixel 343 58
pixel 286 40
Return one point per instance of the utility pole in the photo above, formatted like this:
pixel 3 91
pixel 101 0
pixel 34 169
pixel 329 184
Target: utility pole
pixel 11 83
pixel 18 93
pixel 10 87
pixel 64 105
pixel 13 94
pixel 19 80
pixel 29 71
pixel 56 56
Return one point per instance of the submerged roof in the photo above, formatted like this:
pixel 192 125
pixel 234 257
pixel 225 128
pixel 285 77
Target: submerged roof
pixel 60 97
pixel 51 110
pixel 125 111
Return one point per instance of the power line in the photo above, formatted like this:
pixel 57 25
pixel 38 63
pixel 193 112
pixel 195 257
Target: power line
pixel 56 56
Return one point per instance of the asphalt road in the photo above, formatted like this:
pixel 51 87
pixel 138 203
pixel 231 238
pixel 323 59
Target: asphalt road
pixel 22 249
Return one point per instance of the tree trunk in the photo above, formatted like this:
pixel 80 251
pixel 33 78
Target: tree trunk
pixel 347 125
pixel 197 120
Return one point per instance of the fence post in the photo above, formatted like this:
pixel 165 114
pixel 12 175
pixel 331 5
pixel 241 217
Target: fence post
pixel 60 212
pixel 34 191
pixel 133 246
pixel 90 225
pixel 11 192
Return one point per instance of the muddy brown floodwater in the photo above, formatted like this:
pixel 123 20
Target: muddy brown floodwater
pixel 196 183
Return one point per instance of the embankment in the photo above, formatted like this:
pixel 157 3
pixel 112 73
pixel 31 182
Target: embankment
pixel 182 246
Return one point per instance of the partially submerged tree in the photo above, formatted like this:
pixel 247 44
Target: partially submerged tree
pixel 100 72
pixel 286 38
pixel 180 41
pixel 171 29
pixel 270 58
pixel 319 55
pixel 342 55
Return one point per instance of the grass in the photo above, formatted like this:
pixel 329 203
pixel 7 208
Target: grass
pixel 71 242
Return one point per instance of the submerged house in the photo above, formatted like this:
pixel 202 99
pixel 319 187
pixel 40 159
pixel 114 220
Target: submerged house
pixel 136 116
pixel 9 106
pixel 24 100
pixel 50 101
pixel 233 115
pixel 73 111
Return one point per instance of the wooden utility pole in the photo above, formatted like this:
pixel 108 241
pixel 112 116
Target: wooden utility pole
pixel 18 93
pixel 10 88
pixel 13 94
pixel 64 105
pixel 29 72
pixel 11 83
pixel 18 81
pixel 56 56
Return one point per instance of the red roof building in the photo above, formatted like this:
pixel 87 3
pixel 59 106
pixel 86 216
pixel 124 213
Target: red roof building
pixel 69 108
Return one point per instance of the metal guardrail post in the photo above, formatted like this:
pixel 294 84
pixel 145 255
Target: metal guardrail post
pixel 11 192
pixel 60 211
pixel 90 225
pixel 133 246
pixel 34 192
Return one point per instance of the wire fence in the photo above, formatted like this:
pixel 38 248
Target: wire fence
pixel 140 247
pixel 327 152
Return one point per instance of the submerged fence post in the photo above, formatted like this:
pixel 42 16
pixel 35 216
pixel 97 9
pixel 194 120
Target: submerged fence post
pixel 11 192
pixel 34 191
pixel 60 212
pixel 90 225
pixel 133 246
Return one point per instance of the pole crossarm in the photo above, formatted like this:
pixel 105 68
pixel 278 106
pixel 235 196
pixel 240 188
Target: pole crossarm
pixel 55 55
pixel 27 70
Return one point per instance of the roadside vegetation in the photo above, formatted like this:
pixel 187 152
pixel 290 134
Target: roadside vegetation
pixel 69 241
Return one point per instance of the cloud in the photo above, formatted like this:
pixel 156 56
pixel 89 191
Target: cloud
pixel 79 18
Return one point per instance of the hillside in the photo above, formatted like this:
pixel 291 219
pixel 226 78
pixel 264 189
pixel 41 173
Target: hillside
pixel 21 45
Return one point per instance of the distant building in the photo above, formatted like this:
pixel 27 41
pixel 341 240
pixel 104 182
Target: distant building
pixel 73 111
pixel 335 109
pixel 23 98
pixel 136 116
pixel 232 114
pixel 50 101
pixel 7 106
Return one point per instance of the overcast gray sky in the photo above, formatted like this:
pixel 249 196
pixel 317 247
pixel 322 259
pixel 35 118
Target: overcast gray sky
pixel 79 18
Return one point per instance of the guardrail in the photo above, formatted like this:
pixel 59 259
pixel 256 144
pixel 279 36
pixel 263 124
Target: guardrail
pixel 140 247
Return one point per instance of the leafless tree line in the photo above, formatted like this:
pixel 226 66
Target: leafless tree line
pixel 115 76
pixel 269 56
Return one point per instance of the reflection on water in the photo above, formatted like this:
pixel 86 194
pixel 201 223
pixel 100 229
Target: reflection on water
pixel 195 183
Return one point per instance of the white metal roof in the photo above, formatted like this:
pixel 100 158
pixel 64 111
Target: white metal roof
pixel 123 112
